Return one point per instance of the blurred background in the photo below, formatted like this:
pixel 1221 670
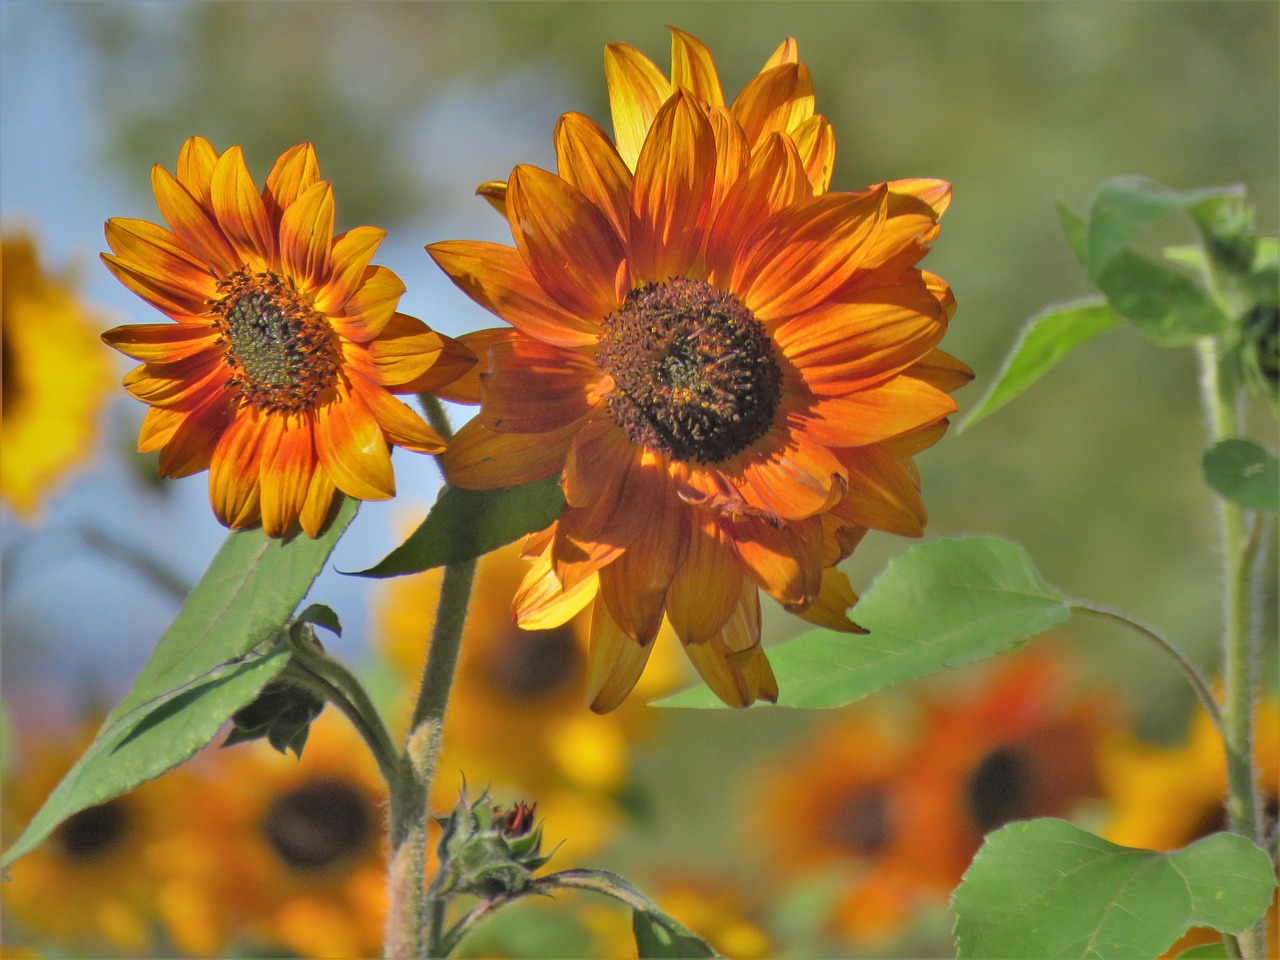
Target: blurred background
pixel 775 832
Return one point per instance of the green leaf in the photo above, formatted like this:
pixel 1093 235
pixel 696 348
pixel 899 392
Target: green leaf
pixel 465 524
pixel 1125 206
pixel 322 615
pixel 1244 472
pixel 655 939
pixel 1164 305
pixel 1046 339
pixel 939 605
pixel 1045 888
pixel 216 656
pixel 1073 227
pixel 1205 951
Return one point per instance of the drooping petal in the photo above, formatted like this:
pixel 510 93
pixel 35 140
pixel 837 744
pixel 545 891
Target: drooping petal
pixel 233 473
pixel 693 69
pixel 192 223
pixel 705 590
pixel 399 424
pixel 480 459
pixel 494 192
pixel 908 444
pixel 803 254
pixel 306 234
pixel 240 211
pixel 637 89
pixel 410 357
pixel 196 161
pixel 158 428
pixel 614 661
pixel 732 663
pixel 161 342
pixel 533 387
pixel 671 198
pixel 190 448
pixel 351 447
pixel 350 256
pixel 881 494
pixel 568 244
pixel 600 450
pixel 295 172
pixel 541 602
pixel 785 561
pixel 868 416
pixel 831 608
pixel 478 343
pixel 587 159
pixel 288 461
pixel 793 479
pixel 939 368
pixel 778 99
pixel 371 307
pixel 498 279
pixel 634 586
pixel 321 504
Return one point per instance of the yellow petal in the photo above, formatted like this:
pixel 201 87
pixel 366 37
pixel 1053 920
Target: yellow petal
pixel 240 211
pixel 306 234
pixel 614 661
pixel 693 69
pixel 351 447
pixel 636 90
pixel 586 159
pixel 296 172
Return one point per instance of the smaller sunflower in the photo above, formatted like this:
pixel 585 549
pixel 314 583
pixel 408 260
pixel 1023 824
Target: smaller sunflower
pixel 54 380
pixel 278 371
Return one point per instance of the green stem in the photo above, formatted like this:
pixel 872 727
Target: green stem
pixel 1220 395
pixel 1198 683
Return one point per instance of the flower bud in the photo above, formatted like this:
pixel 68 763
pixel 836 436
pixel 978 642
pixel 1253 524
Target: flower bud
pixel 488 851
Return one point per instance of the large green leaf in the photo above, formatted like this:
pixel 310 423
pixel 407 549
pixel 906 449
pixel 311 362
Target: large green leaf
pixel 1245 472
pixel 214 658
pixel 939 605
pixel 465 524
pixel 1124 207
pixel 1047 338
pixel 1162 304
pixel 1045 888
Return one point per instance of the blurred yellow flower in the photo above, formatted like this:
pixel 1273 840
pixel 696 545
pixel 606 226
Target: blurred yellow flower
pixel 54 380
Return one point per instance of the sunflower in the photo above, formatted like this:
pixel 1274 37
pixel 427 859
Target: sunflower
pixel 97 880
pixel 729 368
pixel 278 373
pixel 55 377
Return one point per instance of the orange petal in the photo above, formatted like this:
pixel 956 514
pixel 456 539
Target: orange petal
pixel 498 279
pixel 156 252
pixel 190 448
pixel 881 495
pixel 693 69
pixel 570 247
pixel 466 387
pixel 913 441
pixel 586 159
pixel 778 99
pixel 785 561
pixel 541 602
pixel 831 608
pixel 614 661
pixel 351 447
pixel 635 585
pixel 156 289
pixel 349 256
pixel 671 198
pixel 788 52
pixel 410 357
pixel 849 345
pixel 306 234
pixel 533 387
pixel 900 404
pixel 161 342
pixel 803 254
pixel 731 663
pixel 158 428
pixel 705 590
pixel 196 161
pixel 400 425
pixel 371 307
pixel 241 212
pixel 296 172
pixel 288 460
pixel 774 179
pixel 600 452
pixel 732 153
pixel 191 222
pixel 636 90
pixel 816 143
pixel 320 506
pixel 795 479
pixel 233 472
pixel 182 385
pixel 479 459
pixel 935 193
pixel 941 370
pixel 494 193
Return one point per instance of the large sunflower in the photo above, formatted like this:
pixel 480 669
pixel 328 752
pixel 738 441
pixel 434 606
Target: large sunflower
pixel 278 375
pixel 55 377
pixel 729 367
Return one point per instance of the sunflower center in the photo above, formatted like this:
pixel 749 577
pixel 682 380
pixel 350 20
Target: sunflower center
pixel 94 832
pixel 999 789
pixel 696 375
pixel 531 665
pixel 318 823
pixel 860 822
pixel 281 352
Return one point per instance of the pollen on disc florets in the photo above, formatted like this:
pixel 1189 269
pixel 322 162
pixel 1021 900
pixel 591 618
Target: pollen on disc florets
pixel 695 372
pixel 281 352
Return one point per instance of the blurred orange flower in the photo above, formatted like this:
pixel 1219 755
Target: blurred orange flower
pixel 55 377
pixel 730 368
pixel 278 374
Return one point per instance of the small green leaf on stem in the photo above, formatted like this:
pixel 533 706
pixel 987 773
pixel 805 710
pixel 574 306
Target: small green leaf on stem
pixel 1046 888
pixel 655 939
pixel 1047 338
pixel 1244 472
pixel 1162 304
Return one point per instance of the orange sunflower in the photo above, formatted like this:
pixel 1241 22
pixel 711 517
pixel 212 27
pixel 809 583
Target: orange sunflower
pixel 729 367
pixel 278 373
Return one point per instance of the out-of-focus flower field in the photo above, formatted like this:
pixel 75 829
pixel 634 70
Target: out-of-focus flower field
pixel 772 832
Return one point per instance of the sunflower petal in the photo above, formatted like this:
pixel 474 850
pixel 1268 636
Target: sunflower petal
pixel 240 211
pixel 190 448
pixel 480 459
pixel 156 252
pixel 831 608
pixel 154 289
pixel 161 342
pixel 196 161
pixel 541 602
pixel 371 307
pixel 881 494
pixel 497 278
pixel 400 425
pixel 494 192
pixel 351 447
pixel 410 357
pixel 614 661
pixel 788 52
pixel 816 143
pixel 693 69
pixel 306 234
pixel 634 586
pixel 785 561
pixel 637 89
pixel 296 172
pixel 778 99
pixel 288 461
pixel 192 224
pixel 158 427
pixel 939 368
pixel 797 478
pixel 867 416
pixel 321 504
pixel 233 472
pixel 586 159
pixel 705 590
pixel 465 388
pixel 732 663
pixel 182 385
pixel 533 387
pixel 350 256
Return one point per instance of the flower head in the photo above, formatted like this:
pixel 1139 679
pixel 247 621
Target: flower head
pixel 729 367
pixel 278 373
pixel 55 377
